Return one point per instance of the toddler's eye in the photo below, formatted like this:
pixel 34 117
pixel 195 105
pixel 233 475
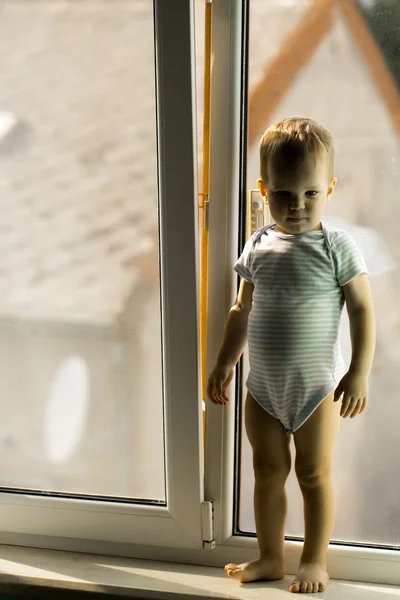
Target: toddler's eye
pixel 282 193
pixel 312 193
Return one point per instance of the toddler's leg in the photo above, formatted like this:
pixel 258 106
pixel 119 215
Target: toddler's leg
pixel 314 443
pixel 271 463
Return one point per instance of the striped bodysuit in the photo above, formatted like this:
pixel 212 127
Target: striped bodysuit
pixel 293 328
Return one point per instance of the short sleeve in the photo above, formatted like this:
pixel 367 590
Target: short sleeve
pixel 243 263
pixel 348 257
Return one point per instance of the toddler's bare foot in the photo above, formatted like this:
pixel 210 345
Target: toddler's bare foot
pixel 262 568
pixel 311 577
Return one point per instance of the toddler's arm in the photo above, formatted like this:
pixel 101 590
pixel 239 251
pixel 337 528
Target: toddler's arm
pixel 362 323
pixel 233 344
pixel 235 334
pixel 354 385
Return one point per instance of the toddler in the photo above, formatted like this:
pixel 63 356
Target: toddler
pixel 296 275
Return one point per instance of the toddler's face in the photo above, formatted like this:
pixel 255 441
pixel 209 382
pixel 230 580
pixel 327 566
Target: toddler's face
pixel 297 194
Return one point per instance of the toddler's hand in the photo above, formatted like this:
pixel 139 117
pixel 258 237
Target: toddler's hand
pixel 218 382
pixel 354 388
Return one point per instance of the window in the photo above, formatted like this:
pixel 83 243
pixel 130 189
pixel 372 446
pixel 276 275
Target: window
pixel 99 197
pixel 337 74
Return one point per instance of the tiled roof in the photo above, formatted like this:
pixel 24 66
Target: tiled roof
pixel 78 187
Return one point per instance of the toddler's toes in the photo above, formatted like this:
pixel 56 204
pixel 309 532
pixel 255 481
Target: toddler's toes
pixel 295 587
pixel 311 577
pixel 232 569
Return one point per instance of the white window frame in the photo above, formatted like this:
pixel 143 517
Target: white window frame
pixel 344 562
pixel 135 529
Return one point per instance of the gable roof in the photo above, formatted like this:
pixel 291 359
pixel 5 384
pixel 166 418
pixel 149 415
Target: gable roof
pixel 78 173
pixel 294 54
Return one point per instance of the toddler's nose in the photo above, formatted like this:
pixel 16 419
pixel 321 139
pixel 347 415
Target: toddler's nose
pixel 297 204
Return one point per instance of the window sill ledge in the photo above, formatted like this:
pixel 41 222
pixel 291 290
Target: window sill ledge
pixel 37 573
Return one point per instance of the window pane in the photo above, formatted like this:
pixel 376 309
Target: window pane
pixel 80 332
pixel 344 73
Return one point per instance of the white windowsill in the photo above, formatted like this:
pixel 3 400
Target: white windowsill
pixel 133 578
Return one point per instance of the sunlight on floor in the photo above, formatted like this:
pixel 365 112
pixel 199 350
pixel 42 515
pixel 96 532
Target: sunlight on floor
pixel 23 570
pixel 373 588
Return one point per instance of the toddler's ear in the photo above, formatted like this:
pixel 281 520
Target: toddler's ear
pixel 332 186
pixel 261 187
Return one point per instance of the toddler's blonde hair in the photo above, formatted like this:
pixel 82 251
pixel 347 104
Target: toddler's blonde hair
pixel 295 137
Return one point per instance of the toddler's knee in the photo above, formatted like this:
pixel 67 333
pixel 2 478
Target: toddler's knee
pixel 312 475
pixel 268 472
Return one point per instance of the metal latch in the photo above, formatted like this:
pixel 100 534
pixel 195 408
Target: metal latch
pixel 257 212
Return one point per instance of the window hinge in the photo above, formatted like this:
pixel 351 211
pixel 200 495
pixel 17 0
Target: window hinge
pixel 207 524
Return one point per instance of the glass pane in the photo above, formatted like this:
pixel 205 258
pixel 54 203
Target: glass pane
pixel 80 332
pixel 344 73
